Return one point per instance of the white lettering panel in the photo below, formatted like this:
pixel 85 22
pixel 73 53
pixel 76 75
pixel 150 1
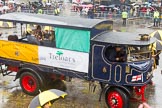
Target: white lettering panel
pixel 77 61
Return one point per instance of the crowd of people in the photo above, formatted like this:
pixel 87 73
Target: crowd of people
pixel 122 11
pixel 156 16
pixel 95 11
pixel 32 7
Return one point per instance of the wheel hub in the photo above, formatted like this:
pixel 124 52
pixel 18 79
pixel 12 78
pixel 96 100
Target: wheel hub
pixel 114 101
pixel 30 82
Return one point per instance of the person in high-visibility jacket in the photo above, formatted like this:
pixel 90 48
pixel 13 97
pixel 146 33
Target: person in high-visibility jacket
pixel 40 11
pixel 124 17
pixel 56 11
pixel 156 17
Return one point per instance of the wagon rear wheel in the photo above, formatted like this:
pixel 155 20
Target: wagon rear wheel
pixel 29 83
pixel 116 98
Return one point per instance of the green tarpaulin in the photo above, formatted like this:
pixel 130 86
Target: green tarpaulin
pixel 78 40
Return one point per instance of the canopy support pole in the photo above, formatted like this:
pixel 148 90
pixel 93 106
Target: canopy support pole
pixel 21 29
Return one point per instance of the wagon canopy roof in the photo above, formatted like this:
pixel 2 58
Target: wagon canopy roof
pixel 51 20
pixel 122 38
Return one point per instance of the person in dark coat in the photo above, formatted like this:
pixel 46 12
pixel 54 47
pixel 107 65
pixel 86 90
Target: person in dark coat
pixel 90 13
pixel 116 54
pixel 156 55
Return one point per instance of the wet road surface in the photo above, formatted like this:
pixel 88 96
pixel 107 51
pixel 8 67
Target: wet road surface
pixel 79 95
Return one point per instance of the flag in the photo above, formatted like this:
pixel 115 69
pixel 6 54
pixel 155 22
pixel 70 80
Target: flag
pixel 136 78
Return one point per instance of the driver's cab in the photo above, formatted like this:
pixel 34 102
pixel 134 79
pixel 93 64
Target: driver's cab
pixel 118 58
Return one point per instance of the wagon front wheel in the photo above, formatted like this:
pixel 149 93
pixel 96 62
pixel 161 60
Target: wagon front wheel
pixel 116 98
pixel 29 83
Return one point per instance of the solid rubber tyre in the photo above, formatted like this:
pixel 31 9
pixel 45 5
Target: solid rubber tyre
pixel 29 83
pixel 116 98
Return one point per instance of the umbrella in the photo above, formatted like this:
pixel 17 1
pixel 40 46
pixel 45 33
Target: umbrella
pixel 86 6
pixel 74 4
pixel 11 1
pixel 111 6
pixel 5 8
pixel 90 5
pixel 45 97
pixel 102 6
pixel 157 45
pixel 157 34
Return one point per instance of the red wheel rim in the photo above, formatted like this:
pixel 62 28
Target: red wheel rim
pixel 115 100
pixel 29 83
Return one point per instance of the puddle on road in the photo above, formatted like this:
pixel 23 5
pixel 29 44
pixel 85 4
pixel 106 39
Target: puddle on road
pixel 3 97
pixel 7 86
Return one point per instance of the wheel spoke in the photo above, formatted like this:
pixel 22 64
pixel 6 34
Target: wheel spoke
pixel 29 83
pixel 115 100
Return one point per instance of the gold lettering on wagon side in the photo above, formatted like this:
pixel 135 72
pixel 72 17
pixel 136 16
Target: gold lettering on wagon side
pixel 104 70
